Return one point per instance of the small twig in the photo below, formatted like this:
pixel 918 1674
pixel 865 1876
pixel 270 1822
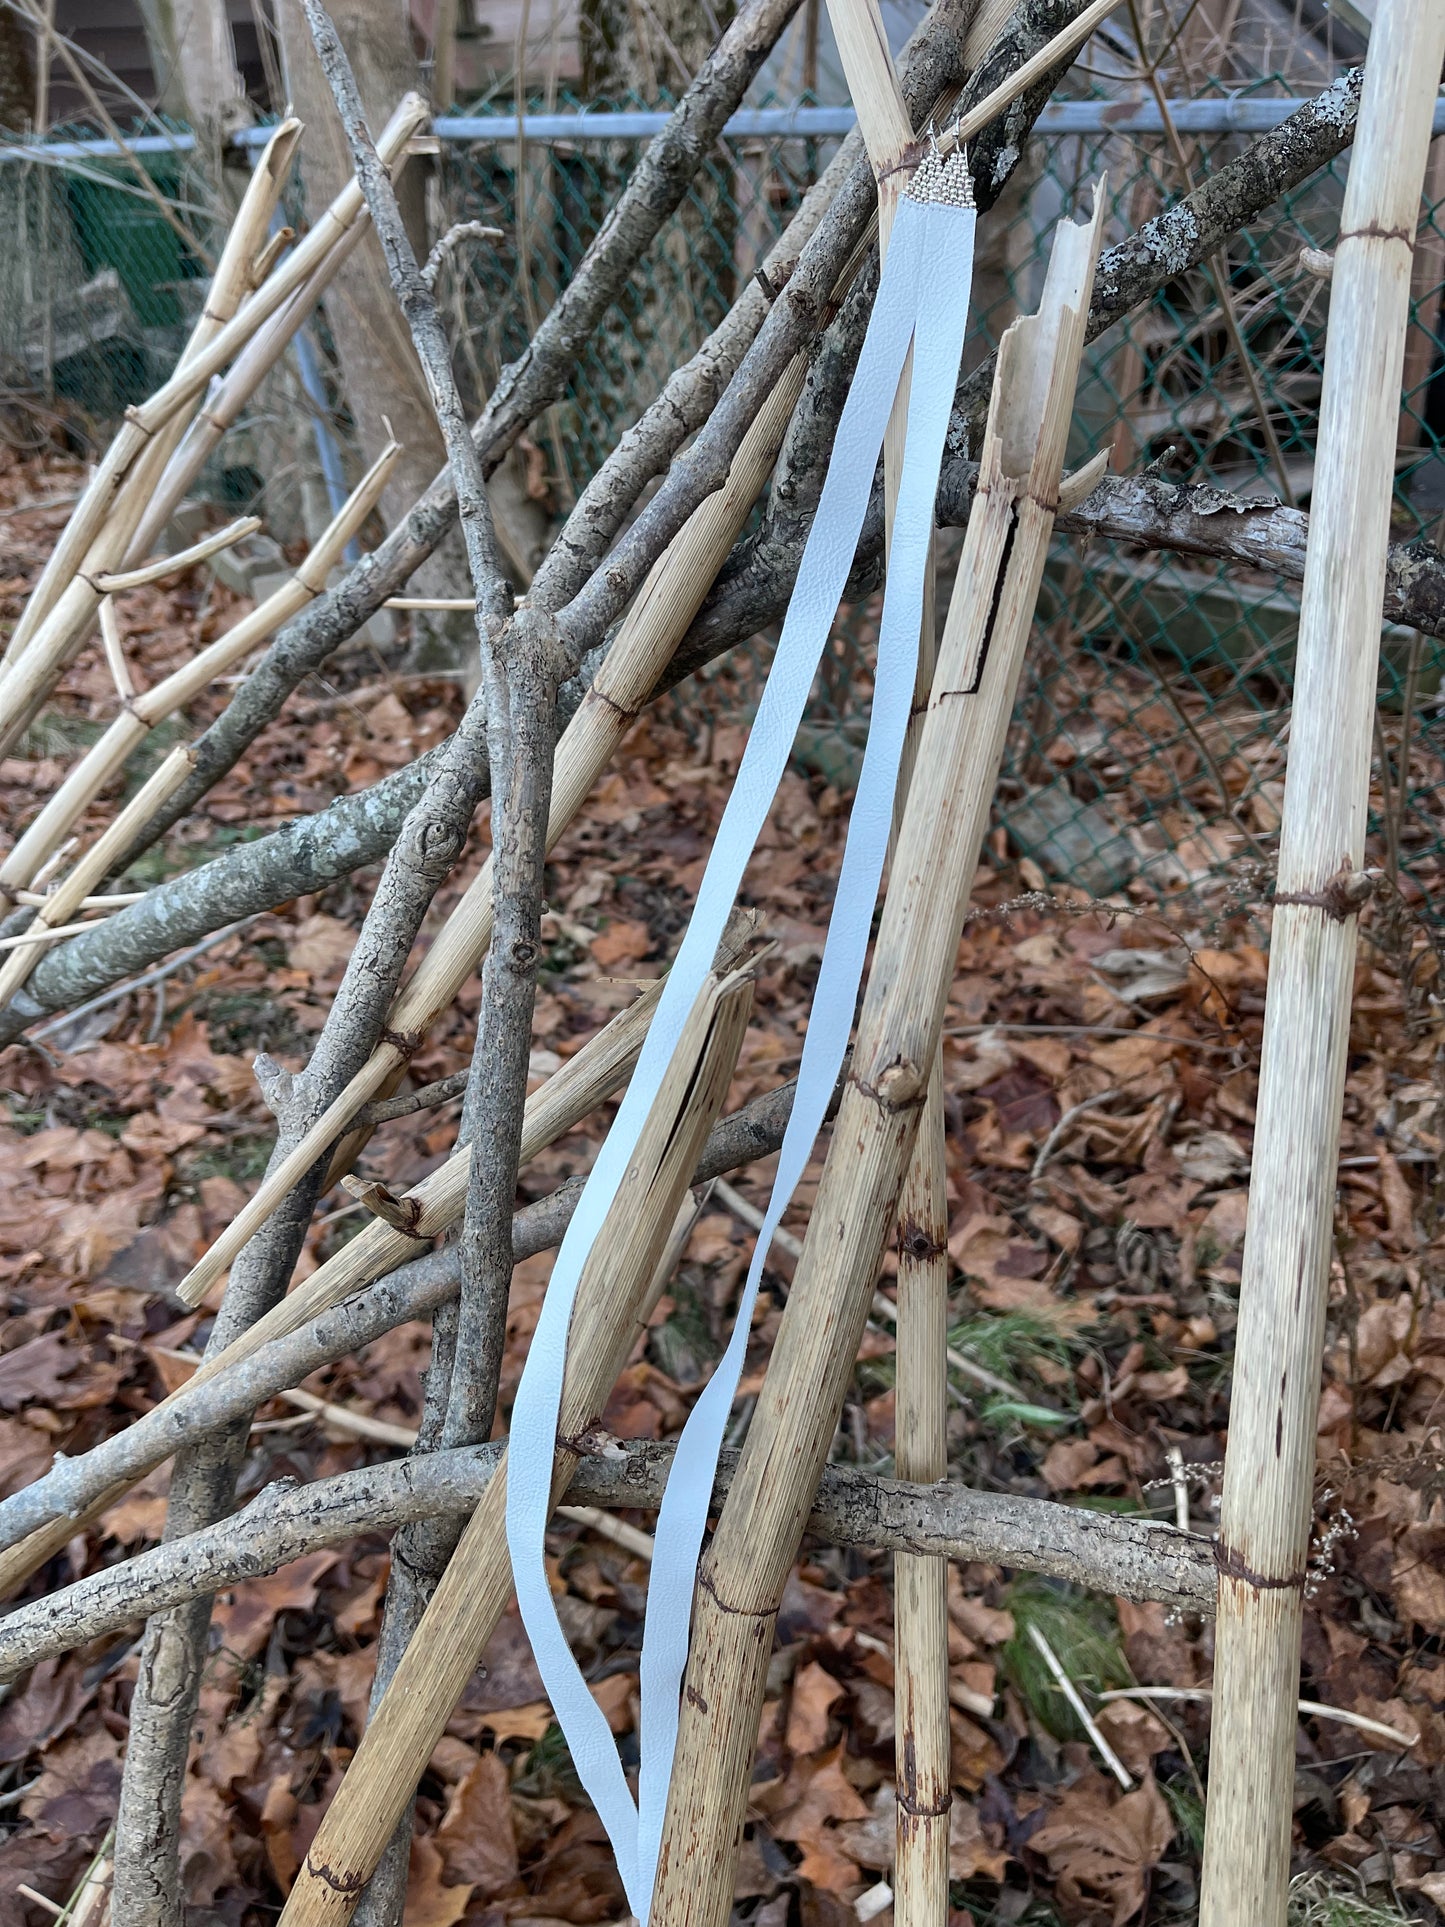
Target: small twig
pixel 1056 1136
pixel 1086 1719
pixel 1312 1709
pixel 114 650
pixel 426 1099
pixel 1174 1459
pixel 147 982
pixel 166 565
pixel 449 242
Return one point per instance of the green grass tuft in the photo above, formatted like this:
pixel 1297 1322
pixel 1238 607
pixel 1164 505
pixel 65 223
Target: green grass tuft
pixel 1085 1636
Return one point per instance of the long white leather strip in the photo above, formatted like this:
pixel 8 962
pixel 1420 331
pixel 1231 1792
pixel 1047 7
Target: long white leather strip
pixel 929 262
pixel 937 348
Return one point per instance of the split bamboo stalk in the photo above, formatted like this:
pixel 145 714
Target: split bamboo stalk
pixel 920 1646
pixel 146 447
pixel 1269 1467
pixel 610 1310
pixel 431 1207
pixel 183 559
pixel 142 712
pixel 670 597
pixel 743 1574
pixel 229 286
pixel 97 862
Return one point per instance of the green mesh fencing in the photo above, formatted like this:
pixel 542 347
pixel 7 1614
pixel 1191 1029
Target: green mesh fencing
pixel 1148 749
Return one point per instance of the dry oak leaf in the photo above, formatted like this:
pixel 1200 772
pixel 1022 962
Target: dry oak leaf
pixel 623 941
pixel 150 1135
pixel 321 946
pixel 1101 1853
pixel 55 1695
pixel 1419 1587
pixel 35 1372
pixel 430 1902
pixel 814 1691
pixel 477 1838
pixel 78 1786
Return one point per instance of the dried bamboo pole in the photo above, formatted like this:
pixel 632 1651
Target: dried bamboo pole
pixel 230 284
pixel 140 713
pixel 135 463
pixel 1269 1468
pixel 611 1307
pixel 666 604
pixel 920 1647
pixel 221 408
pixel 96 863
pixel 78 1490
pixel 743 1574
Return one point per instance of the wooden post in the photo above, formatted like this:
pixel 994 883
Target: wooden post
pixel 742 1577
pixel 1269 1470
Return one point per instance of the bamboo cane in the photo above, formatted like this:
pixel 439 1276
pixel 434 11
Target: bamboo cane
pixel 229 286
pixel 97 862
pixel 669 599
pixel 611 1308
pixel 145 448
pixel 220 410
pixel 743 1574
pixel 1269 1468
pixel 920 1622
pixel 141 713
pixel 583 1082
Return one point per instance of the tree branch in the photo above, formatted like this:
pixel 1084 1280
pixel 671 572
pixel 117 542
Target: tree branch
pixel 1134 1558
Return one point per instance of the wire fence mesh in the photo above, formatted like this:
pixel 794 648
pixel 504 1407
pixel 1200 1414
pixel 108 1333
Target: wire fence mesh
pixel 1148 749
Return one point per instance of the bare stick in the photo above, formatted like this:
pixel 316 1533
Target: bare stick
pixel 76 1485
pixel 1133 1558
pixel 1085 1718
pixel 644 644
pixel 96 864
pixel 229 286
pixel 96 539
pixel 1269 1467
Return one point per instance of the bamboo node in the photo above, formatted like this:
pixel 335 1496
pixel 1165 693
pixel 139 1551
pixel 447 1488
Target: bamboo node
pixel 341 1883
pixel 765 1615
pixel 1343 896
pixel 915 1242
pixel 1232 1565
pixel 901 1087
pixel 918 1809
pixel 1372 231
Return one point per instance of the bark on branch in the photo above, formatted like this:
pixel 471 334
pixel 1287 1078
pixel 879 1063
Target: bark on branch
pixel 1109 1553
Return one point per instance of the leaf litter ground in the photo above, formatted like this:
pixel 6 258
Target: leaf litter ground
pixel 1100 1066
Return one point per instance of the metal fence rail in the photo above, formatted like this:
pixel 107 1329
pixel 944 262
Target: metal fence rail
pixel 1148 751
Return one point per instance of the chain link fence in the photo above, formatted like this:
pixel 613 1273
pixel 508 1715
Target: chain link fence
pixel 1148 749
